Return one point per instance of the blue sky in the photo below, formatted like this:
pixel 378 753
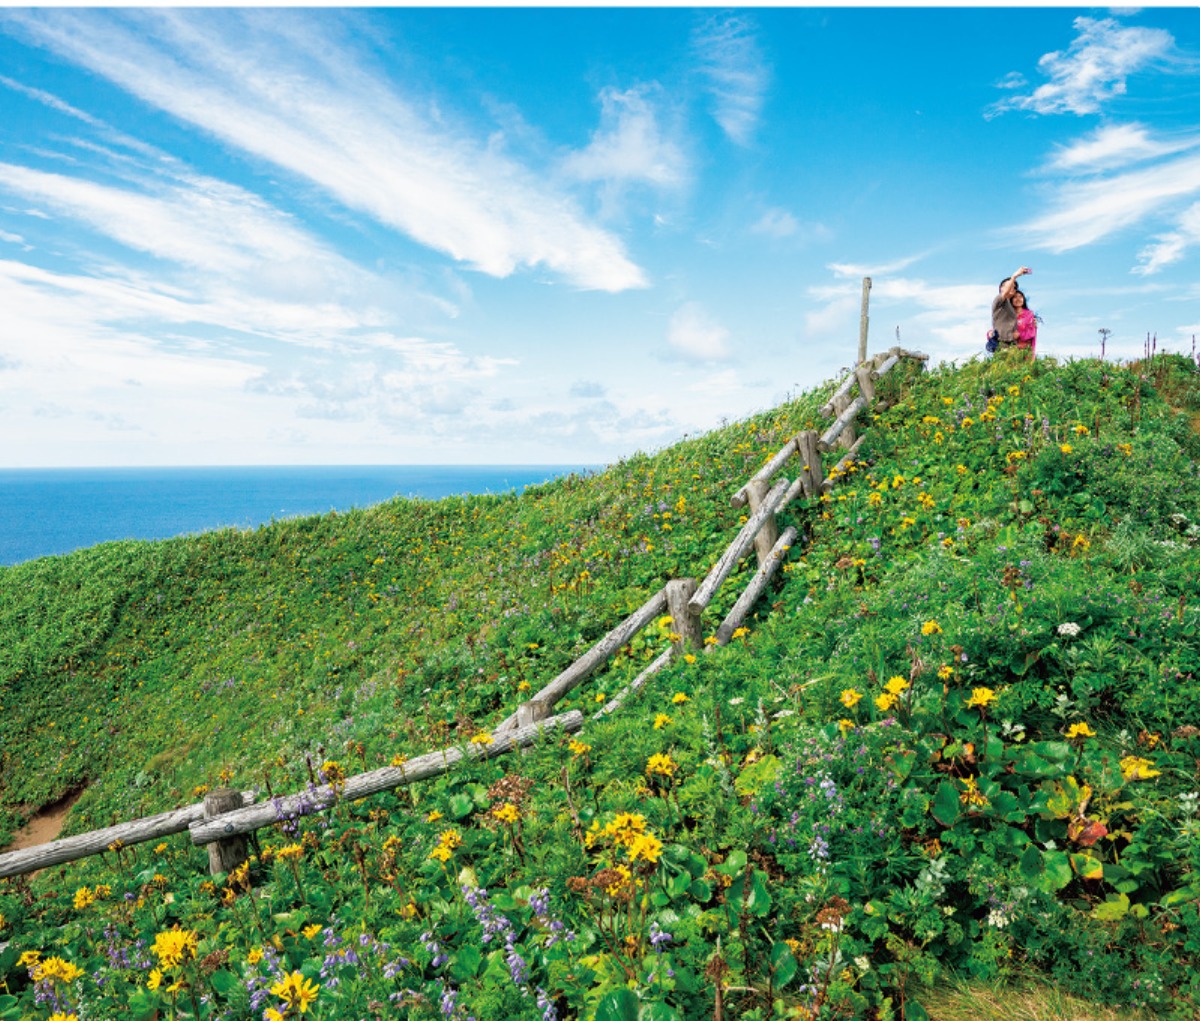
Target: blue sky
pixel 534 236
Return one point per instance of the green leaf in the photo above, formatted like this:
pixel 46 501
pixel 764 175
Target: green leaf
pixel 466 963
pixel 461 805
pixel 657 1012
pixel 757 775
pixel 617 1005
pixel 732 865
pixel 700 890
pixel 1113 908
pixel 783 964
pixel 945 804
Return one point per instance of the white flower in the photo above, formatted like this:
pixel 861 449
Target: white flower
pixel 1068 629
pixel 863 963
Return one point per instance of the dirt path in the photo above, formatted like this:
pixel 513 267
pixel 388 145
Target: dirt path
pixel 46 825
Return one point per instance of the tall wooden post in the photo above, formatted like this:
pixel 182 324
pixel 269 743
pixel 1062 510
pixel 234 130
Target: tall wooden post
pixel 810 457
pixel 224 855
pixel 847 436
pixel 684 620
pixel 768 535
pixel 864 321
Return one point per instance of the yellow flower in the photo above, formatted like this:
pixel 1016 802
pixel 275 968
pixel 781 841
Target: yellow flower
pixel 896 685
pixel 1014 455
pixel 296 991
pixel 507 813
pixel 875 499
pixel 173 947
pixel 433 816
pixel 897 481
pixel 679 698
pixel 690 658
pixel 271 1014
pixel 1134 768
pixel 155 980
pixel 524 686
pixel 55 969
pixel 938 437
pixel 981 697
pixel 662 765
pixel 1081 542
pixel 1080 730
pixel 661 720
pixel 1080 430
pixel 1014 391
pixel 441 853
pixel 931 627
pixel 398 760
pixel 254 956
pixel 931 420
pixel 578 747
pixel 290 853
pixel 160 848
pixel 740 632
pixel 310 931
pixel 850 698
pixel 945 672
pixel 948 401
pixel 482 738
pixel 1126 449
pixel 845 726
pixel 967 423
pixel 885 702
pixel 1066 448
pixel 61 1016
pixel 83 898
pixel 600 697
pixel 29 959
pixel 645 846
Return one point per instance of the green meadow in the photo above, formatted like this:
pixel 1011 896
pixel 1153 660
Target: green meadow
pixel 954 750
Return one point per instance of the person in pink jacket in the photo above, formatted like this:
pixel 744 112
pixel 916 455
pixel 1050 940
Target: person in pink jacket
pixel 1026 328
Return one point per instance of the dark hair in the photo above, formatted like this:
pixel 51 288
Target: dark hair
pixel 1003 282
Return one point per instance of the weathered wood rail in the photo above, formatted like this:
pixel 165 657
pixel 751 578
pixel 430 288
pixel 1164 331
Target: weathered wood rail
pixel 225 817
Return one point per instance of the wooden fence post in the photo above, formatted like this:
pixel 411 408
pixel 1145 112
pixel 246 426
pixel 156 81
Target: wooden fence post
pixel 810 455
pixel 224 855
pixel 864 321
pixel 866 385
pixel 684 620
pixel 847 436
pixel 768 535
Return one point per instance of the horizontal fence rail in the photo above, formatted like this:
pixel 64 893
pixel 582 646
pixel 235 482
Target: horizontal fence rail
pixel 682 598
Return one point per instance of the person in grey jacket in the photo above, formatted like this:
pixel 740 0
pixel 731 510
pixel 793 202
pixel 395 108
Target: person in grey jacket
pixel 1004 316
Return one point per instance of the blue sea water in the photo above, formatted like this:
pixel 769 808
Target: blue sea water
pixel 45 511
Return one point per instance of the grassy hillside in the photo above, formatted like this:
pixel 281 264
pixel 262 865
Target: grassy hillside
pixel 961 736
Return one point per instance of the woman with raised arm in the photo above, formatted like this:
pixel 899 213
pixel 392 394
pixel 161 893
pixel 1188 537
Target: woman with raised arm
pixel 1004 316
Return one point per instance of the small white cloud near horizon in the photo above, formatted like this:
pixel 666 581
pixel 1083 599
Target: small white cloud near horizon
pixel 1093 70
pixel 693 332
pixel 1172 246
pixel 735 72
pixel 779 223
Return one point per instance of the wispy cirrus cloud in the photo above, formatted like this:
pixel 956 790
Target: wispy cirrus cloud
pixel 1112 146
pixel 735 72
pixel 1093 70
pixel 1085 211
pixel 1172 246
pixel 277 87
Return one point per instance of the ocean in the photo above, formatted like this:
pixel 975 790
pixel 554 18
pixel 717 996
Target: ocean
pixel 47 511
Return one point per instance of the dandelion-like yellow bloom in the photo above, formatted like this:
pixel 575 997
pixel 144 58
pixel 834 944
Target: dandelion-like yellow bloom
pixel 931 627
pixel 55 969
pixel 679 698
pixel 296 991
pixel 311 931
pixel 1080 730
pixel 29 959
pixel 661 765
pixel 254 956
pixel 981 697
pixel 661 720
pixel 441 853
pixel 59 1015
pixel 1135 768
pixel 1066 448
pixel 154 980
pixel 83 898
pixel 740 632
pixel 399 760
pixel 579 747
pixel 645 846
pixel 885 702
pixel 272 1014
pixel 1126 449
pixel 433 816
pixel 945 672
pixel 175 946
pixel 290 853
pixel 967 423
pixel 1014 391
pixel 482 738
pixel 507 813
pixel 896 685
pixel 850 698
pixel 1081 542
pixel 1080 430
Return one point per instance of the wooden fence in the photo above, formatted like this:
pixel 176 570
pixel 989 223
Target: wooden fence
pixel 226 815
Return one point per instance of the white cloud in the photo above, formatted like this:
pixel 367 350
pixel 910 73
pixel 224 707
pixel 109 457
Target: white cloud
pixel 1171 247
pixel 629 145
pixel 12 239
pixel 1084 212
pixel 693 332
pixel 1111 147
pixel 276 86
pixel 776 223
pixel 736 73
pixel 856 269
pixel 1094 69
